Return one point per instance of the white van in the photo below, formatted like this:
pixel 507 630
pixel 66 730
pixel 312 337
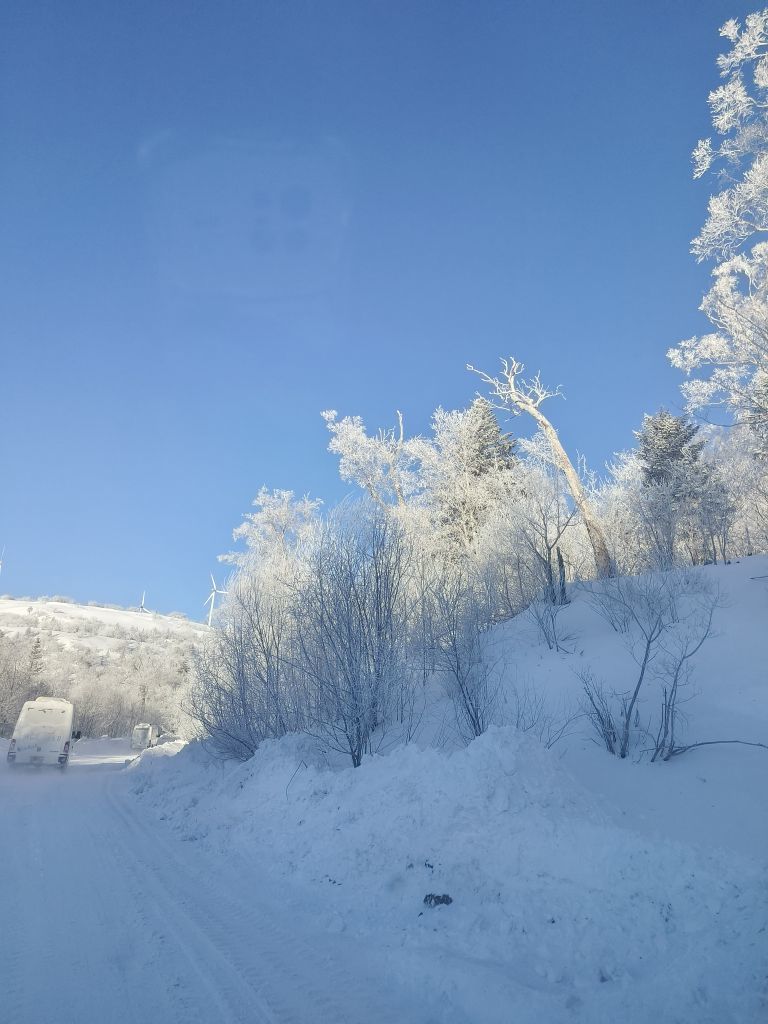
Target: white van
pixel 43 733
pixel 144 735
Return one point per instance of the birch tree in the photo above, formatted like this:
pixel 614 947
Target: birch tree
pixel 516 394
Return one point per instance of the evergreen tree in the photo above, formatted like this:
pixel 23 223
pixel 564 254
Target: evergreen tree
pixel 667 446
pixel 491 450
pixel 464 469
pixel 684 504
pixel 36 659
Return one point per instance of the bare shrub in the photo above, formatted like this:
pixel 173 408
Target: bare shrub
pixel 245 687
pixel 665 619
pixel 464 652
pixel 523 706
pixel 546 617
pixel 601 711
pixel 352 629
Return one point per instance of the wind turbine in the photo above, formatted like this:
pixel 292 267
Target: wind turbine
pixel 212 599
pixel 2 556
pixel 141 606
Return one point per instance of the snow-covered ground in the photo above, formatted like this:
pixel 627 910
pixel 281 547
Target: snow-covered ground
pixel 106 918
pixel 584 889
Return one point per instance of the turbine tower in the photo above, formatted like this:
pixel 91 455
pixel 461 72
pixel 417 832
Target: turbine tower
pixel 212 599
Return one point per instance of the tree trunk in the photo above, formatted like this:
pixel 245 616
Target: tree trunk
pixel 561 577
pixel 603 561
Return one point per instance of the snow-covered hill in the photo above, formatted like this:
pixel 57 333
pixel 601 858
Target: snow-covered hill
pixel 117 665
pixel 583 888
pixel 93 626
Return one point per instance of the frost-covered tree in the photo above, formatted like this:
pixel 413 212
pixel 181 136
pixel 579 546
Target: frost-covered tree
pixel 667 443
pixel 280 523
pixel 245 688
pixel 464 650
pixel 732 360
pixel 617 501
pixel 466 470
pixel 385 465
pixel 518 395
pixel 739 117
pixel 743 476
pixel 441 487
pixel 683 505
pixel 352 628
pixel 15 683
pixel 36 660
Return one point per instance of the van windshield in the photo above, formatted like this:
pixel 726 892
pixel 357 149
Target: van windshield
pixel 141 734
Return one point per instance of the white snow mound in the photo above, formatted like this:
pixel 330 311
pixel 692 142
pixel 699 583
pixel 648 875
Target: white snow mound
pixel 556 911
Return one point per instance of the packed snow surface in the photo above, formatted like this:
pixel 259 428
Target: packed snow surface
pixel 108 919
pixel 292 888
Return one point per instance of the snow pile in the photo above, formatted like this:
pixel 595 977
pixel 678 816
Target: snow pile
pixel 582 887
pixel 555 910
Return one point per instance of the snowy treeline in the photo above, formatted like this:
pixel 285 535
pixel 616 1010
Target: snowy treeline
pixel 335 623
pixel 114 674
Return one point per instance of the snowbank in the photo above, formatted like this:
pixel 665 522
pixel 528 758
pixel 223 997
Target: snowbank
pixel 556 911
pixel 583 888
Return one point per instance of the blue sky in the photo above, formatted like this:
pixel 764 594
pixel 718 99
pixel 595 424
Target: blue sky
pixel 219 219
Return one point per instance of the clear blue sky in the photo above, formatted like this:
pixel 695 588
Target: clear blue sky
pixel 218 219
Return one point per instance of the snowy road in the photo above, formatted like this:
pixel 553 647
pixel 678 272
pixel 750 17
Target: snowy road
pixel 108 919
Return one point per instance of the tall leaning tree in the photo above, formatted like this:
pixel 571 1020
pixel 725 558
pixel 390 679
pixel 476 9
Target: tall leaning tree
pixel 515 394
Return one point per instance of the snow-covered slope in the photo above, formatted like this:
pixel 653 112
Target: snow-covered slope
pixel 712 796
pixel 117 665
pixel 583 888
pixel 93 626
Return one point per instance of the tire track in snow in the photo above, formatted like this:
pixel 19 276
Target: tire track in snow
pixel 223 996
pixel 85 944
pixel 58 934
pixel 303 983
pixel 14 935
pixel 106 918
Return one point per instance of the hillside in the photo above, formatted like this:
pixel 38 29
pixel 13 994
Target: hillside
pixel 94 626
pixel 114 663
pixel 584 888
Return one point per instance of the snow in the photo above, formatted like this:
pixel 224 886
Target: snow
pixel 583 887
pixel 291 887
pixel 92 626
pixel 556 911
pixel 104 919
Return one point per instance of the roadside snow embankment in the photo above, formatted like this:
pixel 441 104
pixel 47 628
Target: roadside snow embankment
pixel 555 909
